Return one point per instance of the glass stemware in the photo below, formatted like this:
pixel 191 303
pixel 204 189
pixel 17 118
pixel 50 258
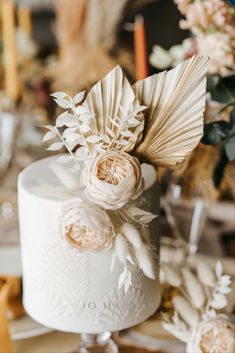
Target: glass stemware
pixel 97 343
pixel 187 218
pixel 7 138
pixel 8 206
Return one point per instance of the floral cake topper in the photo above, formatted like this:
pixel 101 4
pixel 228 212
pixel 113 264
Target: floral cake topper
pixel 108 133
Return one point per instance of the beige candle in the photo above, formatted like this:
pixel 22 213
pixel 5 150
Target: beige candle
pixel 24 19
pixel 9 50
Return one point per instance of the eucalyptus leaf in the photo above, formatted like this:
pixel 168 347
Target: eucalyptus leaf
pixel 79 97
pixel 55 146
pixel 215 132
pixel 59 95
pixel 232 117
pixel 220 167
pixel 93 138
pixel 220 88
pixel 85 128
pixel 220 94
pixel 230 147
pixel 63 103
pixel 229 82
pixel 49 135
pixel 212 81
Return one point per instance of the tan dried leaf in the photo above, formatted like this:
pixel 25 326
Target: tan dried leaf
pixel 174 120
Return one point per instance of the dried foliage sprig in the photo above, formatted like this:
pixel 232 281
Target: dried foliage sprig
pixel 113 115
pixel 131 249
pixel 203 296
pixel 107 124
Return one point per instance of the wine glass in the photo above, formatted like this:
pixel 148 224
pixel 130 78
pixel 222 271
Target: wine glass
pixel 7 138
pixel 97 343
pixel 8 205
pixel 187 218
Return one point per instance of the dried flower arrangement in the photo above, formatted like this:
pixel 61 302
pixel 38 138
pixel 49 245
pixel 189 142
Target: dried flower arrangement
pixel 212 25
pixel 198 318
pixel 87 35
pixel 107 133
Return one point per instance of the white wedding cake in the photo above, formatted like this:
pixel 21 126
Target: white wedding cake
pixel 88 218
pixel 64 288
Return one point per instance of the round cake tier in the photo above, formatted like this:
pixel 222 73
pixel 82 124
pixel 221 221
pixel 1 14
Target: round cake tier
pixel 62 287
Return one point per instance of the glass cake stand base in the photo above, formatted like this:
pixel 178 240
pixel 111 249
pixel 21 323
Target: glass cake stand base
pixel 97 343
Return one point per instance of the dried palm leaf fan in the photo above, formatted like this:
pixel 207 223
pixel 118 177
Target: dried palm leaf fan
pixel 170 104
pixel 174 120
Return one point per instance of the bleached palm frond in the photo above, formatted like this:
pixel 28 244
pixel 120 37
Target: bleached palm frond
pixel 116 112
pixel 174 120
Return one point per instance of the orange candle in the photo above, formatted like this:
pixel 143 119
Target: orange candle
pixel 140 49
pixel 9 50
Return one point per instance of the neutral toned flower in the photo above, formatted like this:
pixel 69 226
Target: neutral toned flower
pixel 161 58
pixel 212 22
pixel 86 227
pixel 112 179
pixel 221 48
pixel 183 5
pixel 213 336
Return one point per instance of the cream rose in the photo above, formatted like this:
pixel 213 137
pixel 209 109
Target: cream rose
pixel 213 336
pixel 86 226
pixel 112 179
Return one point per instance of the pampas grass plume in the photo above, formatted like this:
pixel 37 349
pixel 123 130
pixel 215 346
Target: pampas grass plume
pixel 194 289
pixel 121 247
pixel 206 274
pixel 171 276
pixel 144 259
pixel 132 234
pixel 185 310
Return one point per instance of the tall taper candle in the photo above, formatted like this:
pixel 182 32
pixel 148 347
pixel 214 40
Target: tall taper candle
pixel 140 49
pixel 24 19
pixel 9 50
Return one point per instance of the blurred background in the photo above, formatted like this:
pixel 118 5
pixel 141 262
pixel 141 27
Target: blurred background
pixel 68 45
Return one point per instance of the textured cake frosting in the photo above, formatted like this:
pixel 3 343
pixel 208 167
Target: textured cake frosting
pixel 64 288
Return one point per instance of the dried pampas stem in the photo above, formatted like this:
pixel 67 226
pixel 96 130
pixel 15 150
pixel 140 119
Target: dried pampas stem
pixel 194 289
pixel 171 275
pixel 132 234
pixel 185 310
pixel 145 262
pixel 206 274
pixel 121 247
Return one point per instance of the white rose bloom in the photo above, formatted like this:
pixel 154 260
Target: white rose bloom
pixel 112 179
pixel 213 336
pixel 86 226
